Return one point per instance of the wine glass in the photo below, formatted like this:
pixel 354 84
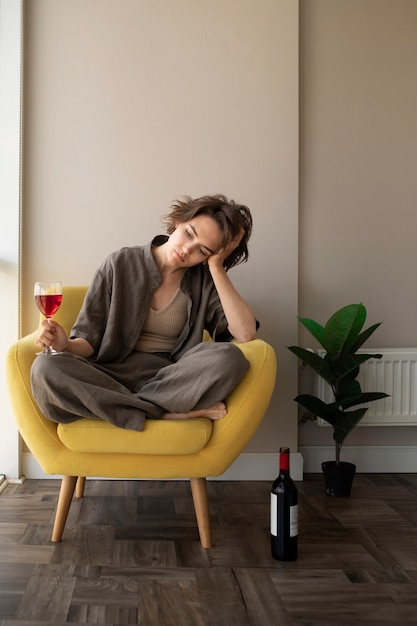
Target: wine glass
pixel 48 297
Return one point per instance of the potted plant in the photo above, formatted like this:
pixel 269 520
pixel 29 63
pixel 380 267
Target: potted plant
pixel 341 338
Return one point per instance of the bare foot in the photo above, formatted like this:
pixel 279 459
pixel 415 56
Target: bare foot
pixel 216 412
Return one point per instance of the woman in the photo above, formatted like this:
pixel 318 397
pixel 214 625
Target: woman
pixel 136 349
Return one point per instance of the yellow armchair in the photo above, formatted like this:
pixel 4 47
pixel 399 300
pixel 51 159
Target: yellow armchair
pixel 192 449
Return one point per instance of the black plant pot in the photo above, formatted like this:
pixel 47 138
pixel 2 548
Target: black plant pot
pixel 338 478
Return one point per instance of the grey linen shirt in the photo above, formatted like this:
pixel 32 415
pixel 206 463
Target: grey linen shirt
pixel 118 300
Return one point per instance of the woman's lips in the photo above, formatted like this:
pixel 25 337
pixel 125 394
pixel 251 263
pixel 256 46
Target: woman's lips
pixel 179 256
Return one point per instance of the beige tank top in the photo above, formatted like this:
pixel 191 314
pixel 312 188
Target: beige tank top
pixel 162 328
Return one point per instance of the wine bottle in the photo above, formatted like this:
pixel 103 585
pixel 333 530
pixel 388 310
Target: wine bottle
pixel 284 512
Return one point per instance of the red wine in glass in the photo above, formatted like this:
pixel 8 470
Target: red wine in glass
pixel 48 298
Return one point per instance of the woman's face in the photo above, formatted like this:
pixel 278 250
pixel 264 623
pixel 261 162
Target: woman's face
pixel 194 241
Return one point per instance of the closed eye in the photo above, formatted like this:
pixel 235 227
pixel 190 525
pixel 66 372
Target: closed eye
pixel 203 251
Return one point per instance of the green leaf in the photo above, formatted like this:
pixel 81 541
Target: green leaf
pixel 347 390
pixel 343 328
pixel 313 327
pixel 328 412
pixel 367 396
pixel 344 364
pixel 347 422
pixel 363 337
pixel 316 362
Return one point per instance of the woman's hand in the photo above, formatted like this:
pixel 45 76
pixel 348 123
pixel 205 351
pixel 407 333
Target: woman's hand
pixel 217 260
pixel 52 334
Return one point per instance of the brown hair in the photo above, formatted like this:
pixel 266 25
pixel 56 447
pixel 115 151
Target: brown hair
pixel 229 216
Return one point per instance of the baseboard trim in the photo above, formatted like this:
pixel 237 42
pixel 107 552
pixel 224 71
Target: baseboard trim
pixel 368 459
pixel 308 459
pixel 262 466
pixel 248 466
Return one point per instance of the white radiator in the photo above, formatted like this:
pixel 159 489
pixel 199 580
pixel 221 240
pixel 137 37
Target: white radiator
pixel 396 374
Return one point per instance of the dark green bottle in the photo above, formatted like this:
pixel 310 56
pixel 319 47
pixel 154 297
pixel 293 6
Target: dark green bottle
pixel 284 512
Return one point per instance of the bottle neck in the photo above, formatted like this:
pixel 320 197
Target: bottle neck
pixel 284 463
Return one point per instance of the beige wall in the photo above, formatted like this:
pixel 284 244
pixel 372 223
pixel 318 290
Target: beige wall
pixel 130 104
pixel 358 174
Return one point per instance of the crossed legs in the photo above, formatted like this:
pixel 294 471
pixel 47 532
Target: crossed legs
pixel 69 387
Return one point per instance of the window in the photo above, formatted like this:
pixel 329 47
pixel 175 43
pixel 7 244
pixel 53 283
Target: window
pixel 10 203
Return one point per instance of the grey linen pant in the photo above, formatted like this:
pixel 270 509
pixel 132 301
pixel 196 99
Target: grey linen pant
pixel 68 387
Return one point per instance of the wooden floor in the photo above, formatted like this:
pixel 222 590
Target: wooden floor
pixel 131 555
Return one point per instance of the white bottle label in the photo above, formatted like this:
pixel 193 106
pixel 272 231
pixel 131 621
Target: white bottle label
pixel 274 514
pixel 274 517
pixel 294 520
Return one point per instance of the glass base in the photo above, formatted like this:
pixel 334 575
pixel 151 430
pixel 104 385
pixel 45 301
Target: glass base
pixel 48 352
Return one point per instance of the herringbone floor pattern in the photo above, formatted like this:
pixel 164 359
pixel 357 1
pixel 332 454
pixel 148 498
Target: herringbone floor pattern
pixel 131 555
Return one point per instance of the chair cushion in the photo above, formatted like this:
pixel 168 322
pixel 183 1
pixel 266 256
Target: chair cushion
pixel 158 437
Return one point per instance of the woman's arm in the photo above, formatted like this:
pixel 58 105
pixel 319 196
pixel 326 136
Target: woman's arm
pixel 240 318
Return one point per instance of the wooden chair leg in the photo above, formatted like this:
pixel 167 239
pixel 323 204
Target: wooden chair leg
pixel 79 488
pixel 200 498
pixel 64 502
